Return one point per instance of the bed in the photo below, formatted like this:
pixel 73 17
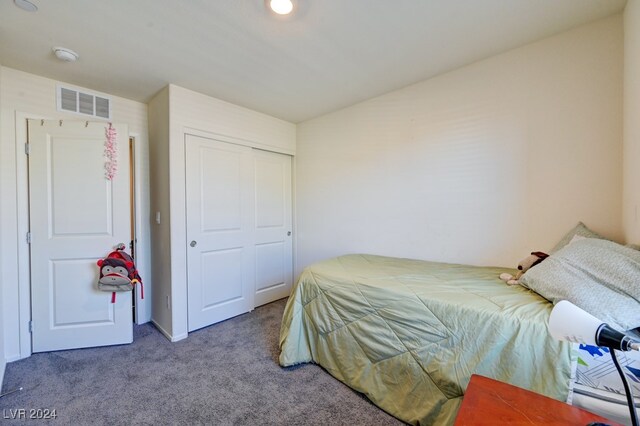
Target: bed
pixel 409 334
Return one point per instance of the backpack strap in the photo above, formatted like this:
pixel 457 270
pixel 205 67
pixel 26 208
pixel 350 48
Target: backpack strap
pixel 113 297
pixel 137 281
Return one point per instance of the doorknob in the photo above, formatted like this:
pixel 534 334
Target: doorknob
pixel 288 233
pixel 193 243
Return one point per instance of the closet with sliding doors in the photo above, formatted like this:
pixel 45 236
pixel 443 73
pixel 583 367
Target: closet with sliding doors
pixel 230 226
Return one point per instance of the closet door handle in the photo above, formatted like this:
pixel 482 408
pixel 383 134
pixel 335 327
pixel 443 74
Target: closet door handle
pixel 193 243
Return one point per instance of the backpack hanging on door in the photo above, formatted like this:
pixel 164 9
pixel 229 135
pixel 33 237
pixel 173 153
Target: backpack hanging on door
pixel 118 273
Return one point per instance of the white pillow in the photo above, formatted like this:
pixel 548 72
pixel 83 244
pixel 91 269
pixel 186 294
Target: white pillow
pixel 599 276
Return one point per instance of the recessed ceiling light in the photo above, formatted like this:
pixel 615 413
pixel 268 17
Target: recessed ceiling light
pixel 66 55
pixel 281 7
pixel 25 5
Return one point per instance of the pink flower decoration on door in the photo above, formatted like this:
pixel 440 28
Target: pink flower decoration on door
pixel 110 153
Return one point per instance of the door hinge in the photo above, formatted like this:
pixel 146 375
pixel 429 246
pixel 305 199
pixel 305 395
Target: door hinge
pixel 30 326
pixel 28 237
pixel 27 148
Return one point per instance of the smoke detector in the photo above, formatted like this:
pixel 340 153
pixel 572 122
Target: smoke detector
pixel 26 5
pixel 66 55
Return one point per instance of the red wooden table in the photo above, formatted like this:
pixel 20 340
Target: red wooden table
pixel 490 402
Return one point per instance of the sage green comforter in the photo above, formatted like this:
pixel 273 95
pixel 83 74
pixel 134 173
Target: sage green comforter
pixel 408 334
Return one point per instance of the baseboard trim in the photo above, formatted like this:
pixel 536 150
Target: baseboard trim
pixel 168 335
pixel 179 337
pixel 15 358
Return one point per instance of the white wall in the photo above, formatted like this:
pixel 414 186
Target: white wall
pixel 3 361
pixel 35 96
pixel 160 235
pixel 480 165
pixel 191 112
pixel 632 120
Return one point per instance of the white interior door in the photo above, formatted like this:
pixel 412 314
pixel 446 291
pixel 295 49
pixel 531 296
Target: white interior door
pixel 76 217
pixel 220 252
pixel 274 255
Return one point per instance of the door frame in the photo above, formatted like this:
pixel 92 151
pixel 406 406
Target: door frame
pixel 23 216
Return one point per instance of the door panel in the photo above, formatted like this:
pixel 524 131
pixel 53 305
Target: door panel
pixel 270 265
pixel 220 252
pixel 81 200
pixel 222 194
pixel 274 254
pixel 223 269
pixel 271 174
pixel 66 309
pixel 76 217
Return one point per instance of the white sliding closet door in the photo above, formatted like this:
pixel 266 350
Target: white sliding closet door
pixel 239 244
pixel 274 255
pixel 220 230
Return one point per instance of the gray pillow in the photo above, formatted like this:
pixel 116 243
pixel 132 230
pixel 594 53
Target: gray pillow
pixel 599 276
pixel 580 229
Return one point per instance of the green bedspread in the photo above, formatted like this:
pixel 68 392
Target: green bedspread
pixel 408 334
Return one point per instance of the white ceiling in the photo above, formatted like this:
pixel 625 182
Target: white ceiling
pixel 328 55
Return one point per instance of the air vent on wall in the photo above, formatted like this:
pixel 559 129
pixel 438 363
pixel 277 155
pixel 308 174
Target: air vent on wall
pixel 82 102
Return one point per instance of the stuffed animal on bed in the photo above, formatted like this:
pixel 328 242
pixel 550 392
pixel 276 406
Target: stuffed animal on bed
pixel 525 264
